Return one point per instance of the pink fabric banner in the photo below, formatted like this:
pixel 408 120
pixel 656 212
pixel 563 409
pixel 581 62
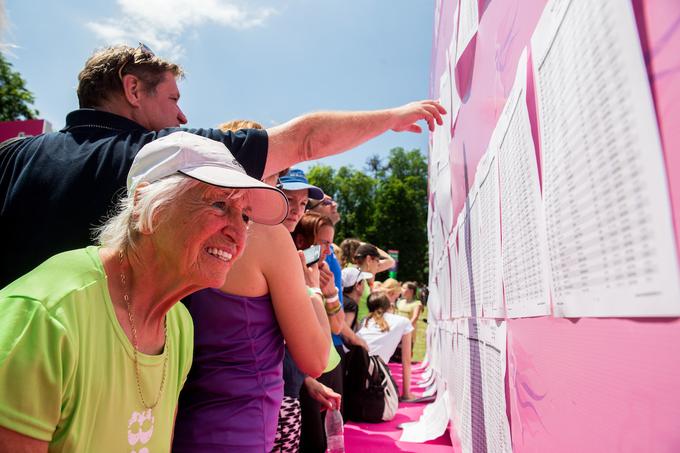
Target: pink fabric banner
pixel 578 384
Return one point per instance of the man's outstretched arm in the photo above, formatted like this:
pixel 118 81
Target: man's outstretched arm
pixel 322 134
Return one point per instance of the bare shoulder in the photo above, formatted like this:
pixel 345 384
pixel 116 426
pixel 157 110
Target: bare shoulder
pixel 265 237
pixel 277 251
pixel 247 275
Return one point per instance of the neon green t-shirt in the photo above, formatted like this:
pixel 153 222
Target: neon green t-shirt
pixel 67 373
pixel 362 311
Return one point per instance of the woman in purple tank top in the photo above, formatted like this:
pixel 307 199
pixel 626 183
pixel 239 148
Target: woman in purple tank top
pixel 233 393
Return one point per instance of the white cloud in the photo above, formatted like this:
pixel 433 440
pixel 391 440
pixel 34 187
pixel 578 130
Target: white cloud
pixel 160 23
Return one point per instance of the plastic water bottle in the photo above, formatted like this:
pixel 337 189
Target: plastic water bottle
pixel 335 439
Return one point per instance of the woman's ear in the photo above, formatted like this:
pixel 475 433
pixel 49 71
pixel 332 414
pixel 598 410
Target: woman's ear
pixel 131 89
pixel 138 193
pixel 143 229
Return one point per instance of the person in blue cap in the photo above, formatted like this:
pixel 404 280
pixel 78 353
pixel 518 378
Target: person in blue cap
pixel 299 191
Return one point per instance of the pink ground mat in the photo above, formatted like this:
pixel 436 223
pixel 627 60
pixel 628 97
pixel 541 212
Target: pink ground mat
pixel 384 437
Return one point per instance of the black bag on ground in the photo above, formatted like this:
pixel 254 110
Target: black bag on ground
pixel 370 393
pixel 396 357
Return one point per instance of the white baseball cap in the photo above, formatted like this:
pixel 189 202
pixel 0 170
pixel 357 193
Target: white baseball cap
pixel 208 161
pixel 352 275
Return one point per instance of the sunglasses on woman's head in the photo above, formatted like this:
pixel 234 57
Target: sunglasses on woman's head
pixel 324 202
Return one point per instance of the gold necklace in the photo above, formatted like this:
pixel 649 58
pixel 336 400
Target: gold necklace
pixel 135 343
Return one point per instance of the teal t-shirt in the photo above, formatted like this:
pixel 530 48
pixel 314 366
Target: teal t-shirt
pixel 67 373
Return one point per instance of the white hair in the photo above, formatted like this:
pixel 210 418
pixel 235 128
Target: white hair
pixel 123 228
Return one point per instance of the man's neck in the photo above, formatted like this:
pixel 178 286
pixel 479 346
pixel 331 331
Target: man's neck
pixel 120 107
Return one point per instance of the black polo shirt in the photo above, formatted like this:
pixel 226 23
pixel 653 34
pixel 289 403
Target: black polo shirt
pixel 54 188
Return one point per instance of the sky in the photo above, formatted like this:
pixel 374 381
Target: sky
pixel 266 60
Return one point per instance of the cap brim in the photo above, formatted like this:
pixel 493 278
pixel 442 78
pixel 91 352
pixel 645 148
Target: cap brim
pixel 365 276
pixel 353 281
pixel 267 204
pixel 314 192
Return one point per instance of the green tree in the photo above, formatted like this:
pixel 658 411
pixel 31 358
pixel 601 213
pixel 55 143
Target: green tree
pixel 400 216
pixel 375 166
pixel 402 164
pixel 387 208
pixel 356 202
pixel 355 193
pixel 14 97
pixel 323 176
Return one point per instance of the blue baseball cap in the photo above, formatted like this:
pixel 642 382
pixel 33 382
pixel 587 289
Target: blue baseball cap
pixel 295 179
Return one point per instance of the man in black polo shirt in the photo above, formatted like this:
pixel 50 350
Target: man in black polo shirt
pixel 54 188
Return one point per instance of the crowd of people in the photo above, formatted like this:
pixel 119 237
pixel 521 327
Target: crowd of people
pixel 123 213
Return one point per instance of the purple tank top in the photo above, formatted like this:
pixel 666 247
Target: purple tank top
pixel 233 393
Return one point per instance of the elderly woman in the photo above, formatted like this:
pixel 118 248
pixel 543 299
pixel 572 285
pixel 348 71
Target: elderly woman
pixel 93 343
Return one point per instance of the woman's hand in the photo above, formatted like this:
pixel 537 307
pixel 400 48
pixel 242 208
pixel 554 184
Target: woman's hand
pixel 311 272
pixel 327 281
pixel 361 342
pixel 328 399
pixel 406 397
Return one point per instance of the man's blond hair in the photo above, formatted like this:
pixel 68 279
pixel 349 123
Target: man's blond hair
pixel 101 78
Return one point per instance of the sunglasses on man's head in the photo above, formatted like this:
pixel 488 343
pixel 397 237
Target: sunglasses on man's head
pixel 142 52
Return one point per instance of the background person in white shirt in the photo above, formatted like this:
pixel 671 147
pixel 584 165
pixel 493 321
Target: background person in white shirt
pixel 383 331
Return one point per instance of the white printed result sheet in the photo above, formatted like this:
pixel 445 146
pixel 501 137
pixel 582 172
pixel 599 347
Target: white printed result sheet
pixel 448 98
pixel 456 297
pixel 441 136
pixel 443 197
pixel 525 261
pixel 609 227
pixel 497 428
pixel 452 51
pixel 488 205
pixel 431 424
pixel 452 372
pixel 436 241
pixel 450 366
pixel 446 282
pixel 468 23
pixel 464 267
pixel 464 430
pixel 475 255
pixel 443 286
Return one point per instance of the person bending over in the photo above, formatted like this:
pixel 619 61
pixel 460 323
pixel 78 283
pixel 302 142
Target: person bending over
pixel 383 331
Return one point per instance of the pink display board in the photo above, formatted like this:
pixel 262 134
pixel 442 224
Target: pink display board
pixel 572 384
pixel 11 129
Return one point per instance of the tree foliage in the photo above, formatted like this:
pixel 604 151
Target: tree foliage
pixel 387 207
pixel 15 99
